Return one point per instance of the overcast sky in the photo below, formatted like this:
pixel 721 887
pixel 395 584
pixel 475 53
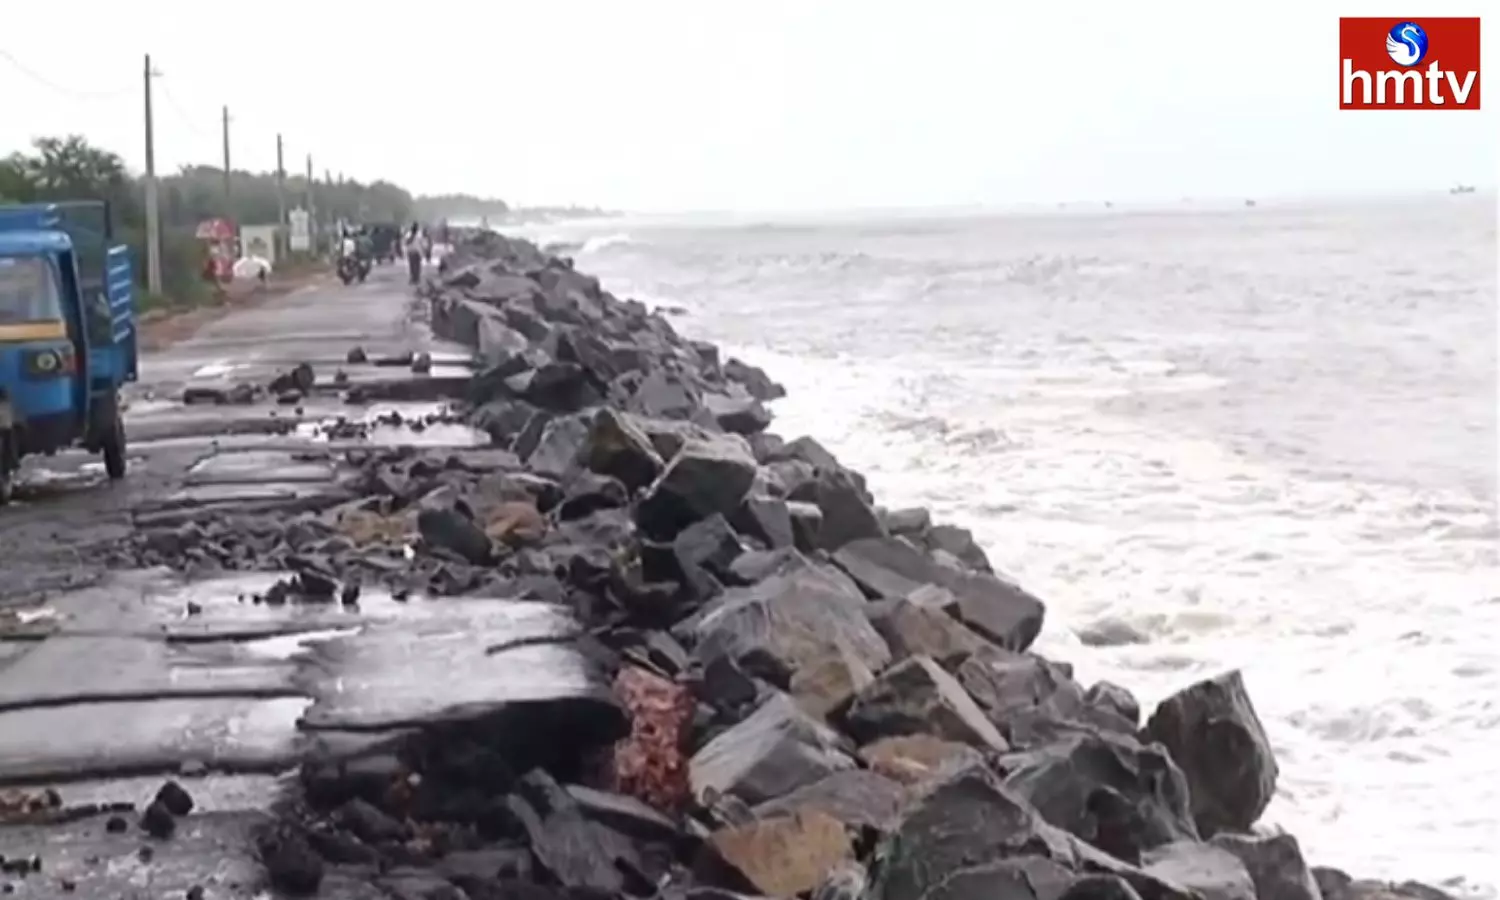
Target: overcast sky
pixel 722 104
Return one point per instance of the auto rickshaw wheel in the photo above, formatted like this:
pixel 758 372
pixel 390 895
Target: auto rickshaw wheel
pixel 114 450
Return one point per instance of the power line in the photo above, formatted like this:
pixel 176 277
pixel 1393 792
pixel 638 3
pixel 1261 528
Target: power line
pixel 46 82
pixel 177 109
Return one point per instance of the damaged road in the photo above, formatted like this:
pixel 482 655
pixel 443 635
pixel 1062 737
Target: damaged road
pixel 507 591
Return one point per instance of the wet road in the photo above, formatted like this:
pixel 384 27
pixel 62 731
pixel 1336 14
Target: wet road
pixel 111 681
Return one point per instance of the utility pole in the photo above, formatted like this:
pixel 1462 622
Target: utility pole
pixel 153 208
pixel 228 196
pixel 312 205
pixel 280 197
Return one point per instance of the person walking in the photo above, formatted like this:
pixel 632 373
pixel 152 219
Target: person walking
pixel 414 254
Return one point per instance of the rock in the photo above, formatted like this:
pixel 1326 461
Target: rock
pixel 754 379
pixel 704 553
pixel 856 797
pixel 368 823
pixel 847 881
pixel 891 567
pixel 911 759
pixel 913 629
pixel 968 820
pixel 765 519
pixel 356 355
pixel 846 514
pixel 916 696
pixel 1110 791
pixel 588 493
pixel 778 749
pixel 515 524
pixel 1216 738
pixel 291 865
pixel 175 799
pixel 806 625
pixel 299 380
pixel 575 851
pixel 451 530
pixel 737 415
pixel 960 544
pixel 1034 701
pixel 705 478
pixel 1274 863
pixel 617 447
pixel 1215 874
pixel 1111 632
pixel 915 521
pixel 785 856
pixel 421 363
pixel 157 820
pixel 807 526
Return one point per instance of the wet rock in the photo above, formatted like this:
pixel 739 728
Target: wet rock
pixel 158 821
pixel 291 864
pixel 588 492
pixel 804 629
pixel 1035 701
pixel 846 514
pixel 451 530
pixel 298 380
pixel 778 749
pixel 1114 793
pixel 576 852
pixel 705 478
pixel 1274 863
pixel 1111 632
pixel 967 820
pixel 175 799
pixel 1215 874
pixel 787 855
pixel 807 526
pixel 754 379
pixel 1335 884
pixel 846 881
pixel 738 415
pixel 515 524
pixel 911 759
pixel 618 447
pixel 857 797
pixel 765 519
pixel 1214 735
pixel 890 567
pixel 912 628
pixel 369 823
pixel 356 356
pixel 704 553
pixel 421 363
pixel 916 696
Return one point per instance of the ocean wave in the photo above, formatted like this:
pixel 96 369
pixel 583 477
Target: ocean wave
pixel 600 243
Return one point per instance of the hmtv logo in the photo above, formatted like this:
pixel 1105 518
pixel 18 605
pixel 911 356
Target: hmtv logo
pixel 1408 63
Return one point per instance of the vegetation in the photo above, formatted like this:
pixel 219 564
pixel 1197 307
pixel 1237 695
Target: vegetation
pixel 459 206
pixel 70 168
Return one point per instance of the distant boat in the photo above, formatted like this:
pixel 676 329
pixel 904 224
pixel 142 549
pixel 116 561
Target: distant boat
pixel 1461 189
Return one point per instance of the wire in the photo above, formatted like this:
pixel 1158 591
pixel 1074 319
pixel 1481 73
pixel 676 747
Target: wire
pixel 177 110
pixel 49 83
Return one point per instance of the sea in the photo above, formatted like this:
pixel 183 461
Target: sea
pixel 1210 437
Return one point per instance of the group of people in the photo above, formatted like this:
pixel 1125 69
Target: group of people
pixel 414 242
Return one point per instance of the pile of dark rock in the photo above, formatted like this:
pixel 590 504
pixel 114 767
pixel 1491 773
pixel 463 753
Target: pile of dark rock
pixel 813 696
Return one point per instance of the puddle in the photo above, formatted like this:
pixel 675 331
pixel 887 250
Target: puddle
pixel 286 646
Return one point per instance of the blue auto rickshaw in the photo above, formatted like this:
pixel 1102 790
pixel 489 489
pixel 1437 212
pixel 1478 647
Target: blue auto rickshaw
pixel 67 334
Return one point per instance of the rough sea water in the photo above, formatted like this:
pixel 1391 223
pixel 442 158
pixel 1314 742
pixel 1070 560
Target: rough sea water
pixel 1254 437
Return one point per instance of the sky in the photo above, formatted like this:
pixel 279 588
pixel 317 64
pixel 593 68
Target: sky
pixel 666 105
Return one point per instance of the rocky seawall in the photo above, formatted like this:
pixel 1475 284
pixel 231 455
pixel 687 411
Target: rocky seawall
pixel 791 691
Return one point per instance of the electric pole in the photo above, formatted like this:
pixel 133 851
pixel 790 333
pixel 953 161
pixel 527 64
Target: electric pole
pixel 280 197
pixel 228 196
pixel 312 205
pixel 153 210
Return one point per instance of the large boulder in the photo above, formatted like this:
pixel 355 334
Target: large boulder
pixel 1114 793
pixel 891 567
pixel 705 477
pixel 1275 865
pixel 916 696
pixel 775 751
pixel 804 628
pixel 967 827
pixel 1035 701
pixel 1216 738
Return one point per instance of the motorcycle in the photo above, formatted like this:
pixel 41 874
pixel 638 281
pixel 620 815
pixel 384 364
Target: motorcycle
pixel 352 269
